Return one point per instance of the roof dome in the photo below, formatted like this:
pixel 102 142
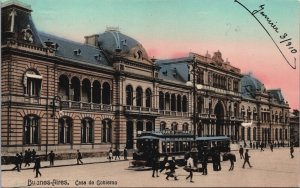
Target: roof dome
pixel 251 85
pixel 113 42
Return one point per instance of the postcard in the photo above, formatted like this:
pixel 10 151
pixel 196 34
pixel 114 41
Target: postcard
pixel 150 93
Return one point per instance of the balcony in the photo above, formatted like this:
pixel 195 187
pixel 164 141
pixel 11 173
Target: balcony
pixel 173 113
pixel 86 106
pixel 140 110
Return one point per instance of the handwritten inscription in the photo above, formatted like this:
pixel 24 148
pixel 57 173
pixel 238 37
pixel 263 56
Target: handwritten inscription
pixel 283 38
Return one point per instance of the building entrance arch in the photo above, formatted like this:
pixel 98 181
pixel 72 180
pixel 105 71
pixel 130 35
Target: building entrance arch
pixel 219 112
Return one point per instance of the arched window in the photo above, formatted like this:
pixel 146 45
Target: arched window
pixel 32 83
pixel 63 87
pixel 285 134
pixel 96 92
pixel 162 126
pixel 106 94
pixel 167 101
pixel 106 130
pixel 185 127
pixel 65 130
pixel 243 133
pixel 174 126
pixel 184 103
pixel 86 91
pixel 148 97
pixel 31 132
pixel 139 96
pixel 236 110
pixel 161 101
pixel 200 76
pixel 254 133
pixel 280 134
pixel 129 95
pixel 173 102
pixel 248 133
pixel 179 103
pixel 87 131
pixel 75 89
pixel 276 134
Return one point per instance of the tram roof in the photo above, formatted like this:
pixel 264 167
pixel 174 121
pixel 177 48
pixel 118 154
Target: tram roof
pixel 155 136
pixel 213 138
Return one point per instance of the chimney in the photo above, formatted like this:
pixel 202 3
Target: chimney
pixel 91 40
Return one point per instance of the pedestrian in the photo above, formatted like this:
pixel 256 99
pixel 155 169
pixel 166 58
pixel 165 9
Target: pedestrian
pixel 271 147
pixel 37 166
pixel 246 159
pixel 164 162
pixel 110 155
pixel 241 151
pixel 292 151
pixel 172 172
pixel 250 144
pixel 218 160
pixel 190 166
pixel 17 162
pixel 232 159
pixel 155 162
pixel 27 158
pixel 117 154
pixel 79 157
pixel 262 147
pixel 33 155
pixel 21 159
pixel 204 163
pixel 51 158
pixel 125 153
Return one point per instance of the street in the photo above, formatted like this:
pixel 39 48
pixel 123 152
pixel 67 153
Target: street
pixel 270 169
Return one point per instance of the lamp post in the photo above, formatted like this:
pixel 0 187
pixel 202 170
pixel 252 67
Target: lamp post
pixel 56 98
pixel 194 149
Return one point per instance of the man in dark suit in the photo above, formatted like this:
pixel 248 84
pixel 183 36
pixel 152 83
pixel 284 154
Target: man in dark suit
pixel 37 166
pixel 241 151
pixel 247 159
pixel 51 158
pixel 172 169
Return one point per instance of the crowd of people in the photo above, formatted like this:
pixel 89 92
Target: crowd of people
pixel 169 165
pixel 199 163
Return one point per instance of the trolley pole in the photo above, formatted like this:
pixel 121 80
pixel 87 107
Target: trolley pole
pixel 194 95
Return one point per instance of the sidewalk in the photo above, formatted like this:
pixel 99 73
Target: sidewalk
pixel 61 163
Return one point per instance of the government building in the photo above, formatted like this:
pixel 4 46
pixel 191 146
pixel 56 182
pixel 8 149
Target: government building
pixel 63 95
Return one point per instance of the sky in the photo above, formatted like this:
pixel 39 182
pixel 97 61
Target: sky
pixel 173 28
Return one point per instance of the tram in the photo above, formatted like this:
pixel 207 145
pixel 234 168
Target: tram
pixel 172 143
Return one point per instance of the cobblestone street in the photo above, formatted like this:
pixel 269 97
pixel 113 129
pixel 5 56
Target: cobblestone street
pixel 275 169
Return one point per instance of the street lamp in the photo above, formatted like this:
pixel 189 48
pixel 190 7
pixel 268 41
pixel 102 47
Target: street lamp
pixel 56 98
pixel 194 149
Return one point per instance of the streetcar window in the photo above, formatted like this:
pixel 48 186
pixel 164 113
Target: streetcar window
pixel 163 147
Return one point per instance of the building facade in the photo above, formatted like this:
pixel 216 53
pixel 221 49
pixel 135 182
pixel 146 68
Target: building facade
pixel 63 95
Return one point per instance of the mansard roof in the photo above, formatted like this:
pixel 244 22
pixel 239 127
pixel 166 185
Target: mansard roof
pixel 114 42
pixel 175 70
pixel 276 95
pixel 75 51
pixel 250 86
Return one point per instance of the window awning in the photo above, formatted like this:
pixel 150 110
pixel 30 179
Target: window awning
pixel 34 76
